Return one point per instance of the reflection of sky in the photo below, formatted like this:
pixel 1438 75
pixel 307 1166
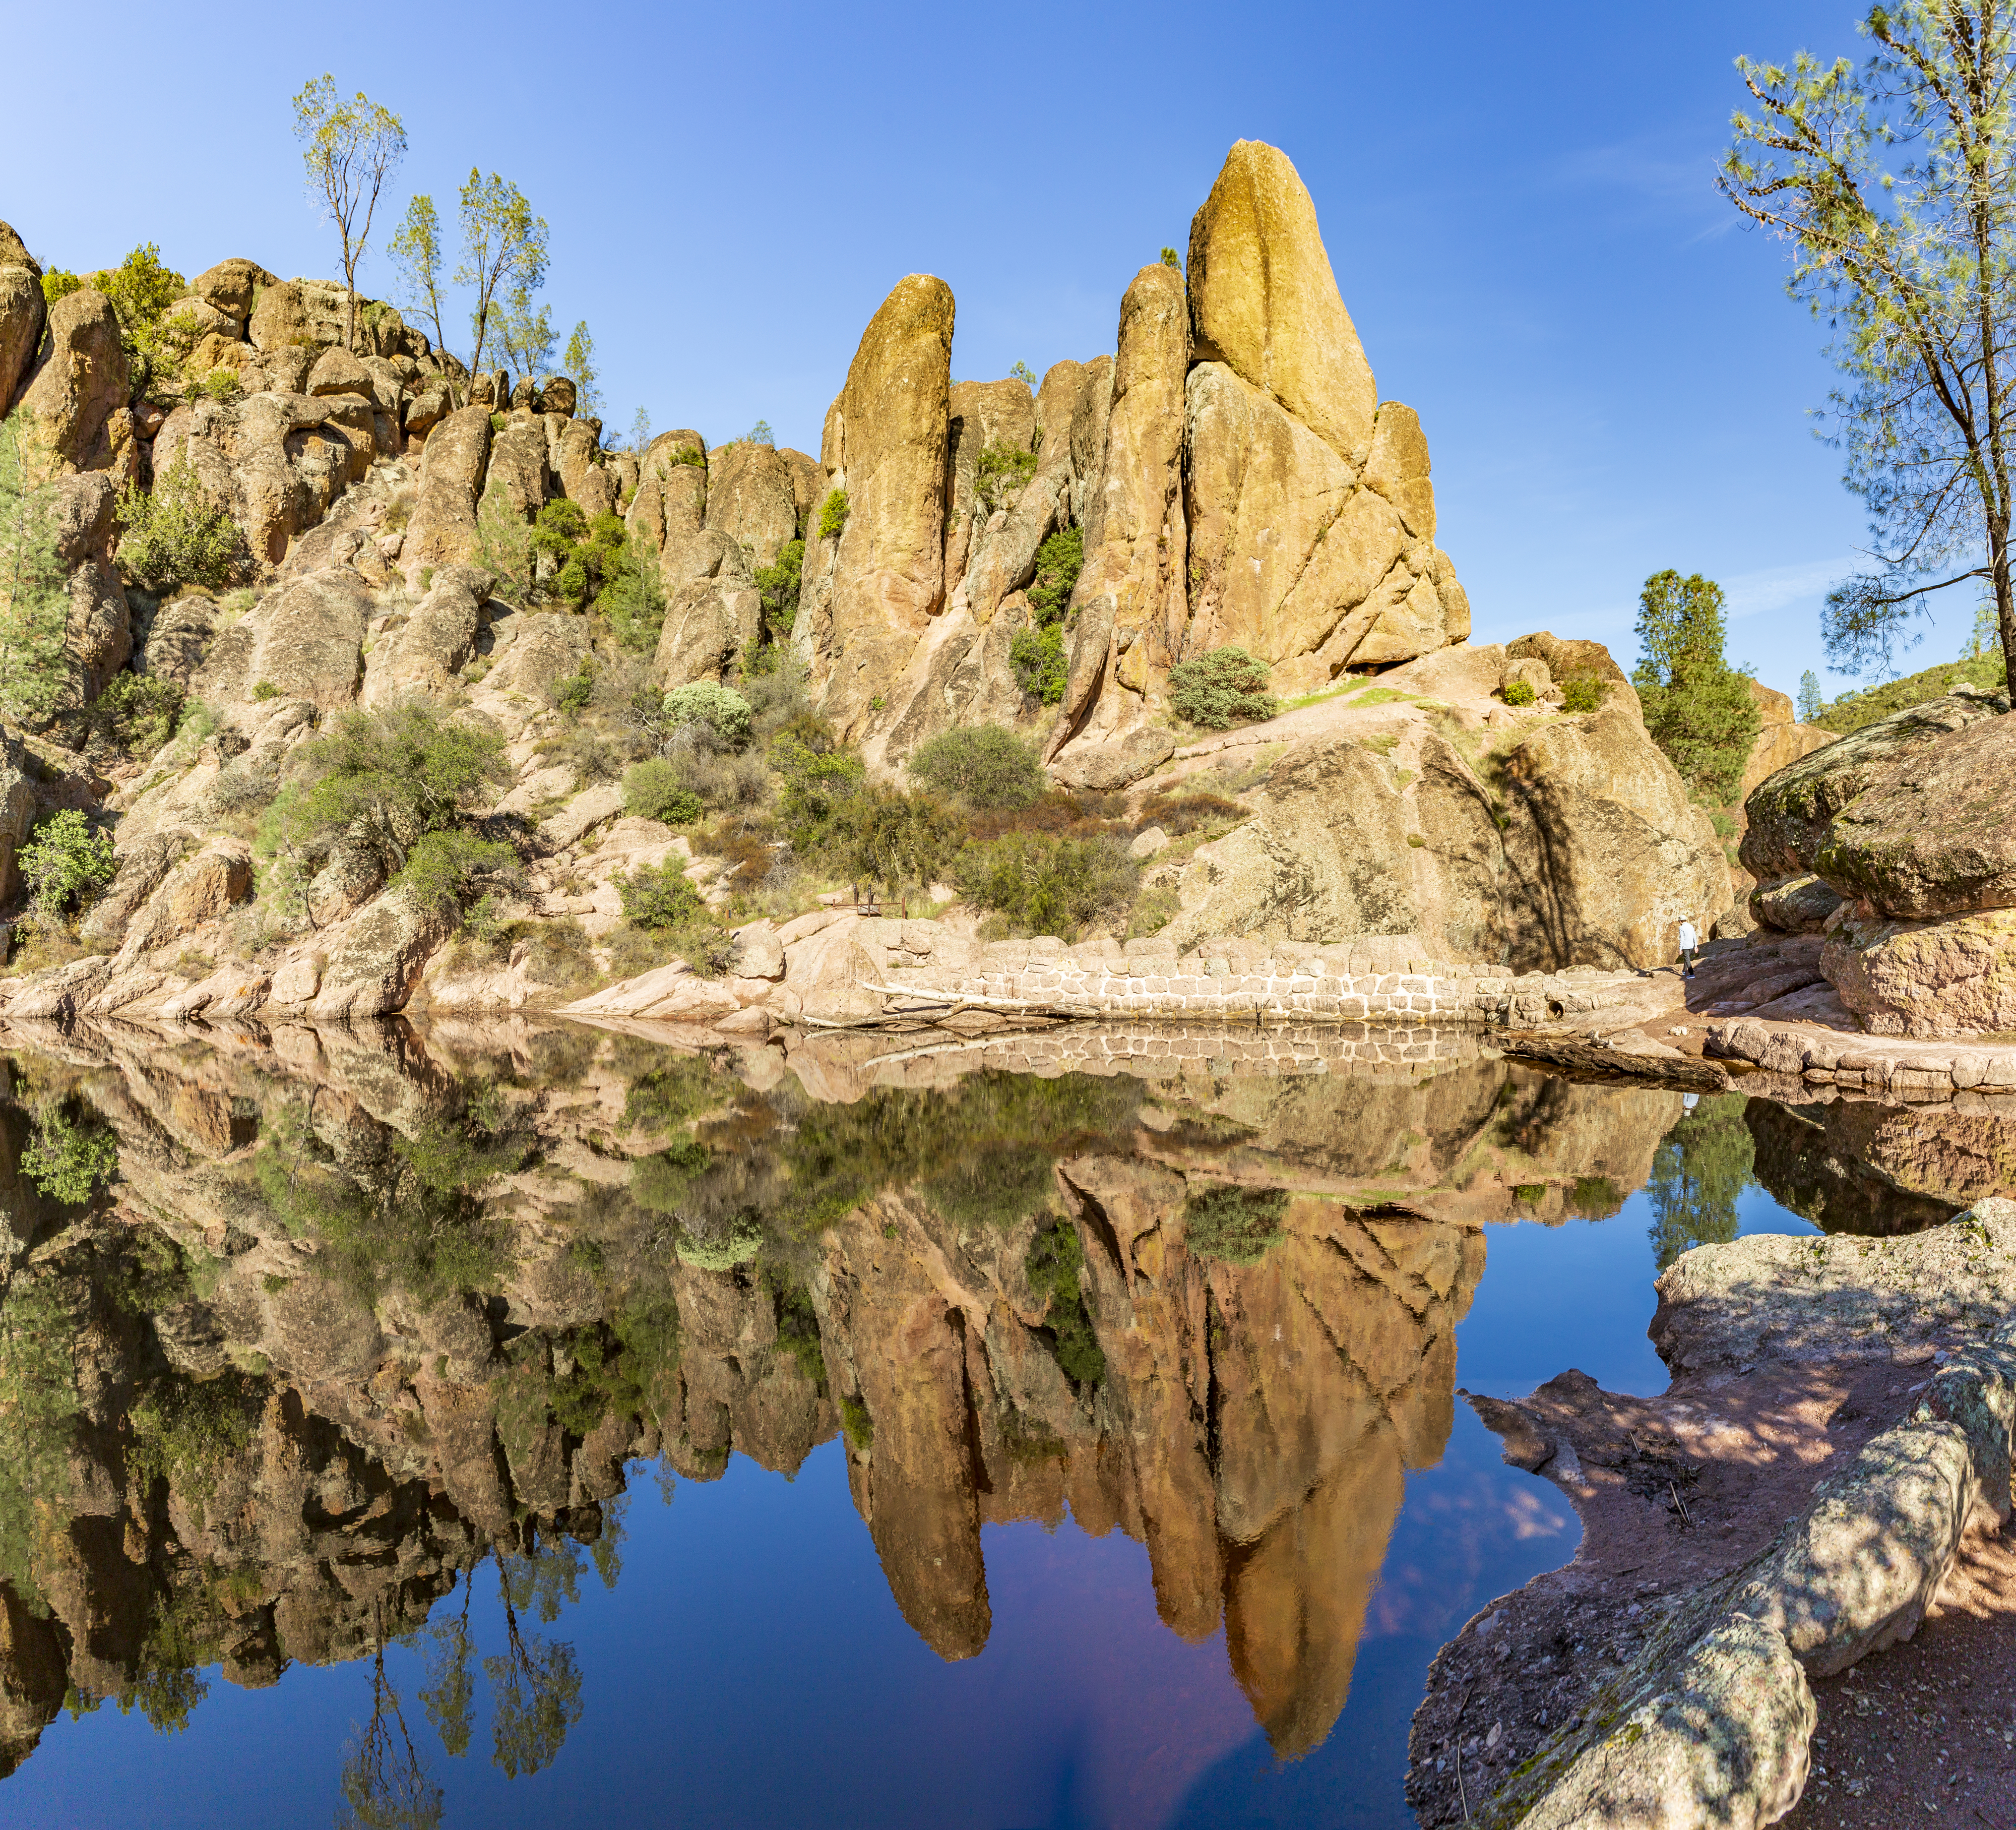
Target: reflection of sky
pixel 749 1668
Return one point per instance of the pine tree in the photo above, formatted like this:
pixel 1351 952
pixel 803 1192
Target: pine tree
pixel 34 607
pixel 1811 705
pixel 1698 709
pixel 578 362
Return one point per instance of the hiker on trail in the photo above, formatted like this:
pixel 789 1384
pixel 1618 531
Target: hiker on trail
pixel 1689 945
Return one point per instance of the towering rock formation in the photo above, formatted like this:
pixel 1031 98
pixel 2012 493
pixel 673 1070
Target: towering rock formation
pixel 1233 475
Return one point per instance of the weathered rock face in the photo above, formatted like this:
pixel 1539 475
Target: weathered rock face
pixel 232 287
pixel 1781 739
pixel 99 633
pixel 79 382
pixel 749 500
pixel 374 968
pixel 22 313
pixel 277 462
pixel 436 641
pixel 1954 977
pixel 712 616
pixel 1605 852
pixel 1931 834
pixel 1797 905
pixel 443 528
pixel 1329 858
pixel 983 414
pixel 1589 852
pixel 1790 814
pixel 1137 541
pixel 310 640
pixel 880 583
pixel 1264 300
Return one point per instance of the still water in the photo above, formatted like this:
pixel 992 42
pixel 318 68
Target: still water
pixel 550 1427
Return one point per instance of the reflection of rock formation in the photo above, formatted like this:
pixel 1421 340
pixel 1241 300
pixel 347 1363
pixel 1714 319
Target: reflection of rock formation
pixel 1251 1428
pixel 1859 1167
pixel 360 1310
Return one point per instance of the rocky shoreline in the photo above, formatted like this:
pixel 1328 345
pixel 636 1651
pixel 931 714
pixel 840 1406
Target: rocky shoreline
pixel 1866 1389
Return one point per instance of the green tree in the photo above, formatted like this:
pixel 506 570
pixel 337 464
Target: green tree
pixel 1983 636
pixel 535 1695
pixel 69 1161
pixel 1698 709
pixel 416 254
pixel 1811 702
pixel 1172 258
pixel 986 766
pixel 349 148
pixel 1895 185
pixel 1226 687
pixel 778 585
pixel 1022 371
pixel 578 362
pixel 1698 1172
pixel 760 433
pixel 503 244
pixel 174 536
pixel 527 335
pixel 640 432
pixel 65 860
pixel 35 607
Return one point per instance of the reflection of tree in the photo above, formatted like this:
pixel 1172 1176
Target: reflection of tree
pixel 1701 1168
pixel 446 1699
pixel 535 1691
pixel 385 1785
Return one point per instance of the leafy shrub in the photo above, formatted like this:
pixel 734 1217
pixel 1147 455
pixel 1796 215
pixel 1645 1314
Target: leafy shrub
pixel 654 790
pixel 137 712
pixel 503 548
pixel 1044 884
pixel 721 709
pixel 659 1182
pixel 174 536
pixel 573 691
pixel 1001 471
pixel 1038 658
pixel 59 282
pixel 658 896
pixel 1240 1226
pixel 1518 693
pixel 222 384
pixel 1586 693
pixel 266 689
pixel 1172 258
pixel 882 837
pixel 660 901
pixel 64 859
pixel 384 778
pixel 986 766
pixel 444 869
pixel 1059 561
pixel 778 585
pixel 833 515
pixel 1226 687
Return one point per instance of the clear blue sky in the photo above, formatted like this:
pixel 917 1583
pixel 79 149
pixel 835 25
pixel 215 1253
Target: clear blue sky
pixel 1518 203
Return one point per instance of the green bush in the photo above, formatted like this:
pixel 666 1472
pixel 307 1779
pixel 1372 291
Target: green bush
pixel 1040 667
pixel 659 1184
pixel 833 515
pixel 445 870
pixel 222 384
pixel 1059 561
pixel 986 766
pixel 1000 471
pixel 1226 687
pixel 264 690
pixel 174 537
pixel 573 691
pixel 881 837
pixel 385 778
pixel 721 709
pixel 634 601
pixel 59 282
pixel 660 901
pixel 658 896
pixel 1518 693
pixel 778 585
pixel 1584 693
pixel 1046 885
pixel 64 859
pixel 137 712
pixel 1240 1226
pixel 654 790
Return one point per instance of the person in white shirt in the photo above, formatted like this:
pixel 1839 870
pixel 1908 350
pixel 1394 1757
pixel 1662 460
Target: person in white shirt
pixel 1690 942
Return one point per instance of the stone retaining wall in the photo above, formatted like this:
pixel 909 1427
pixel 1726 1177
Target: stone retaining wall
pixel 1378 980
